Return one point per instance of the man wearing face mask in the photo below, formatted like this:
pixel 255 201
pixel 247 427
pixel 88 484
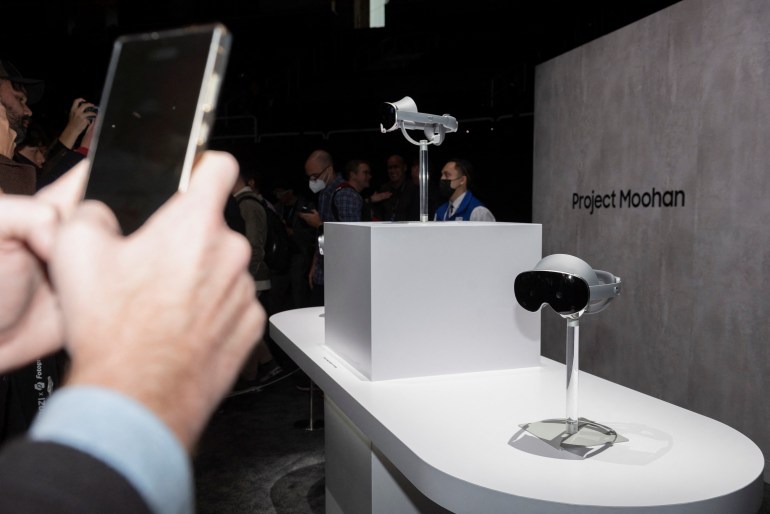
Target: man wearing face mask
pixel 461 204
pixel 337 201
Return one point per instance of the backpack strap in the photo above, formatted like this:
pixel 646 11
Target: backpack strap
pixel 241 198
pixel 340 187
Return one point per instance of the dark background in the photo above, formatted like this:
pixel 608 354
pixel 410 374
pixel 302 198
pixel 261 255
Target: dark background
pixel 302 76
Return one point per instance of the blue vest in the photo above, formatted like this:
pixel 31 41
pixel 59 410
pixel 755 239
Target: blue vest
pixel 463 212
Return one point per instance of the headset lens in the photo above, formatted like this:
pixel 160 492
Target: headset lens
pixel 565 293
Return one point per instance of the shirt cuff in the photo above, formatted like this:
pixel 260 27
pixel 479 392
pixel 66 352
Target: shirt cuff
pixel 125 435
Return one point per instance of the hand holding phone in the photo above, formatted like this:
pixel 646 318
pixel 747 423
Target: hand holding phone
pixel 312 218
pixel 305 205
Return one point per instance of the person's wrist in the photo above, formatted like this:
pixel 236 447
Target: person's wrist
pixel 70 134
pixel 67 140
pixel 174 410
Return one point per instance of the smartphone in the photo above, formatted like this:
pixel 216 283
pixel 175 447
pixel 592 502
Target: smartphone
pixel 305 205
pixel 155 114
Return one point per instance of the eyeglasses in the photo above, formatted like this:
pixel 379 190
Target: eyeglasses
pixel 315 176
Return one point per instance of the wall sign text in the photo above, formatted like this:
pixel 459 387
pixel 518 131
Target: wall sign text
pixel 628 199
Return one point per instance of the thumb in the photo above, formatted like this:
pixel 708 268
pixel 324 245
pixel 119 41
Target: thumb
pixel 212 179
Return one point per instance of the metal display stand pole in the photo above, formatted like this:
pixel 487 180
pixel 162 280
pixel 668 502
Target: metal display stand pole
pixel 579 436
pixel 311 424
pixel 573 365
pixel 423 180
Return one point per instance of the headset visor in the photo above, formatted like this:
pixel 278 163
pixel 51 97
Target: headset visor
pixel 565 293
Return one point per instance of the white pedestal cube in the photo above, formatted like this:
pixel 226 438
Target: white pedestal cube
pixel 419 299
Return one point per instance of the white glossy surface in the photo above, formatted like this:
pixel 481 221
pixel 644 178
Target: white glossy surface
pixel 457 437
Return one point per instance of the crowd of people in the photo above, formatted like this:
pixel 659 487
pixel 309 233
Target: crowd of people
pixel 151 331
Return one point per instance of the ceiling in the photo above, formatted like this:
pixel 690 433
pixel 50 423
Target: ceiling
pixel 300 65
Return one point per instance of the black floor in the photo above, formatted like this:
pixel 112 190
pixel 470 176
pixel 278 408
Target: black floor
pixel 253 459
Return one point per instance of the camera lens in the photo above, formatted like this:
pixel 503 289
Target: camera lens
pixel 388 116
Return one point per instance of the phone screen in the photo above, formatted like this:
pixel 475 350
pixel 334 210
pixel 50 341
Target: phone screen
pixel 154 116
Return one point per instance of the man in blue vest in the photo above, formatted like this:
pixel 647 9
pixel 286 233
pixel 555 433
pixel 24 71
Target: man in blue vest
pixel 461 204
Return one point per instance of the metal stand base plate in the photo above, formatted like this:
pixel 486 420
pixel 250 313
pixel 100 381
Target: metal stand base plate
pixel 590 438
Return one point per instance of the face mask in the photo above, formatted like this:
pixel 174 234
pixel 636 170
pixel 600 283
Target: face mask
pixel 316 185
pixel 445 187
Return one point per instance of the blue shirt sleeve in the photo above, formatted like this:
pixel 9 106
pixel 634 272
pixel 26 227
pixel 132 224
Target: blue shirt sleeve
pixel 127 436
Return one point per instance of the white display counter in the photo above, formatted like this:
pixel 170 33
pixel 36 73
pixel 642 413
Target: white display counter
pixel 453 442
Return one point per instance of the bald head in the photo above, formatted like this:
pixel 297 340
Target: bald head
pixel 320 158
pixel 319 166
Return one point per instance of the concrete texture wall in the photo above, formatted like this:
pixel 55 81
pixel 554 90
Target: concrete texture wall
pixel 652 161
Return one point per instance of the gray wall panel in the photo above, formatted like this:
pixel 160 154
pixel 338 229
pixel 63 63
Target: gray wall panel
pixel 679 101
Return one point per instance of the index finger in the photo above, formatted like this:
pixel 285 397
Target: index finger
pixel 67 191
pixel 22 218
